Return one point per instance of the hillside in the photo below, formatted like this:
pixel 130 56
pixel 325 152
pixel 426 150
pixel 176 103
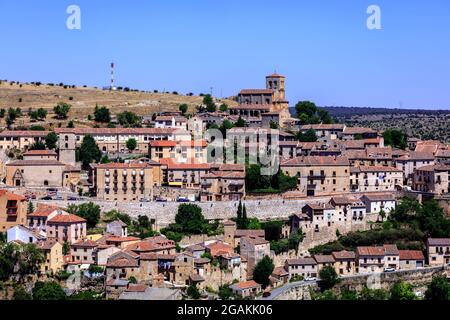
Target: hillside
pixel 84 99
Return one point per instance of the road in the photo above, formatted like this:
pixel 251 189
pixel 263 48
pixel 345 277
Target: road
pixel 280 290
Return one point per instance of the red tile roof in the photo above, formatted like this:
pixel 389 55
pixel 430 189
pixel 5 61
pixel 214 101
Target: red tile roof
pixel 30 133
pixel 35 163
pixel 257 91
pixel 248 285
pixel 113 166
pixel 411 255
pixel 119 131
pixel 43 210
pixel 66 218
pixel 40 153
pixel 316 161
pixel 12 196
pixel 173 165
pixel 370 251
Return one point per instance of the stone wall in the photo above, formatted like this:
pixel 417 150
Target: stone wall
pixel 164 212
pixel 418 278
pixel 174 193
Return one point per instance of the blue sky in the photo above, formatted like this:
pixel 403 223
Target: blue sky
pixel 323 47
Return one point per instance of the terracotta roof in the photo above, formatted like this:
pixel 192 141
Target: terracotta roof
pixel 112 166
pixel 12 196
pixel 379 197
pixel 247 285
pixel 219 248
pixel 391 250
pixel 35 163
pixel 173 165
pixel 344 255
pixel 249 233
pixel 122 263
pixel 436 242
pixel 120 131
pixel 202 261
pixel 255 240
pixel 370 251
pixel 195 247
pixel 40 152
pixel 151 245
pixel 280 272
pixel 316 161
pixel 324 258
pixel 66 218
pixel 301 262
pixel 411 255
pixel 23 133
pixel 434 168
pixel 137 287
pixel 85 244
pixel 47 244
pixel 121 239
pixel 43 210
pixel 377 169
pixel 317 206
pixel 341 200
pixel 257 91
pixel 415 156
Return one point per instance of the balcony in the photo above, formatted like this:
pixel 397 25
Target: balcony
pixel 311 186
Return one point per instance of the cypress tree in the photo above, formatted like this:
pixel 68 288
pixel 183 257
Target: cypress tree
pixel 239 216
pixel 245 221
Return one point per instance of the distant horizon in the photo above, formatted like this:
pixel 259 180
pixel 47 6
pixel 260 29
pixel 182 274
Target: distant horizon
pixel 326 50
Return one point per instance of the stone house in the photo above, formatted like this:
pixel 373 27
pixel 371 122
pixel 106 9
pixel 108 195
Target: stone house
pixel 305 267
pixel 412 161
pixel 35 173
pixel 21 139
pixel 179 151
pixel 125 181
pixel 319 215
pixel 246 289
pixel 84 252
pixel 345 262
pixel 66 228
pixel 53 256
pixel 438 251
pixel 123 265
pixel 117 228
pixel 433 179
pixel 377 202
pixel 411 259
pixel 377 259
pixel 324 261
pixel 319 175
pixel 375 179
pixel 40 155
pixel 38 219
pixel 254 250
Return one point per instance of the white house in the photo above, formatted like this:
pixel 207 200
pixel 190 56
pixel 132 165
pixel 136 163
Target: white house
pixel 23 234
pixel 377 202
pixel 117 228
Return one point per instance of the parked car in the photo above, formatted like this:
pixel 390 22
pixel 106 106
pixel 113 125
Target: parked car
pixel 160 200
pixel 72 198
pixel 389 269
pixel 310 279
pixel 47 198
pixel 266 294
pixel 182 199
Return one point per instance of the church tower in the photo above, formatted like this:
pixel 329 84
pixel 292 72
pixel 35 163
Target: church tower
pixel 277 83
pixel 67 147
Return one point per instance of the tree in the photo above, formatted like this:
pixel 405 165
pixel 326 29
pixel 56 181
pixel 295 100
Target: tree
pixel 239 216
pixel 2 113
pixel 193 292
pixel 70 124
pixel 395 138
pixel 240 123
pixel 373 294
pixel 274 125
pixel 61 110
pixel 129 119
pixel 402 291
pixel 48 291
pixel 89 152
pixel 245 221
pixel 30 208
pixel 102 114
pixel 328 278
pixel 253 224
pixel 38 145
pixel 183 108
pixel 39 114
pixel 51 140
pixel 225 293
pixel 29 259
pixel 88 211
pixel 20 294
pixel 263 271
pixel 438 289
pixel 208 101
pixel 190 218
pixel 132 280
pixel 131 144
pixel 254 180
pixel 308 136
pixel 223 107
pixel 66 248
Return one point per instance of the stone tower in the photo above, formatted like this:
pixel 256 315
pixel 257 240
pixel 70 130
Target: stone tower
pixel 277 83
pixel 67 147
pixel 229 230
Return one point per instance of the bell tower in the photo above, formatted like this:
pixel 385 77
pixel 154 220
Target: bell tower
pixel 276 82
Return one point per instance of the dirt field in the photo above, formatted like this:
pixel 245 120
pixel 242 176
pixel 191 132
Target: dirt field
pixel 83 100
